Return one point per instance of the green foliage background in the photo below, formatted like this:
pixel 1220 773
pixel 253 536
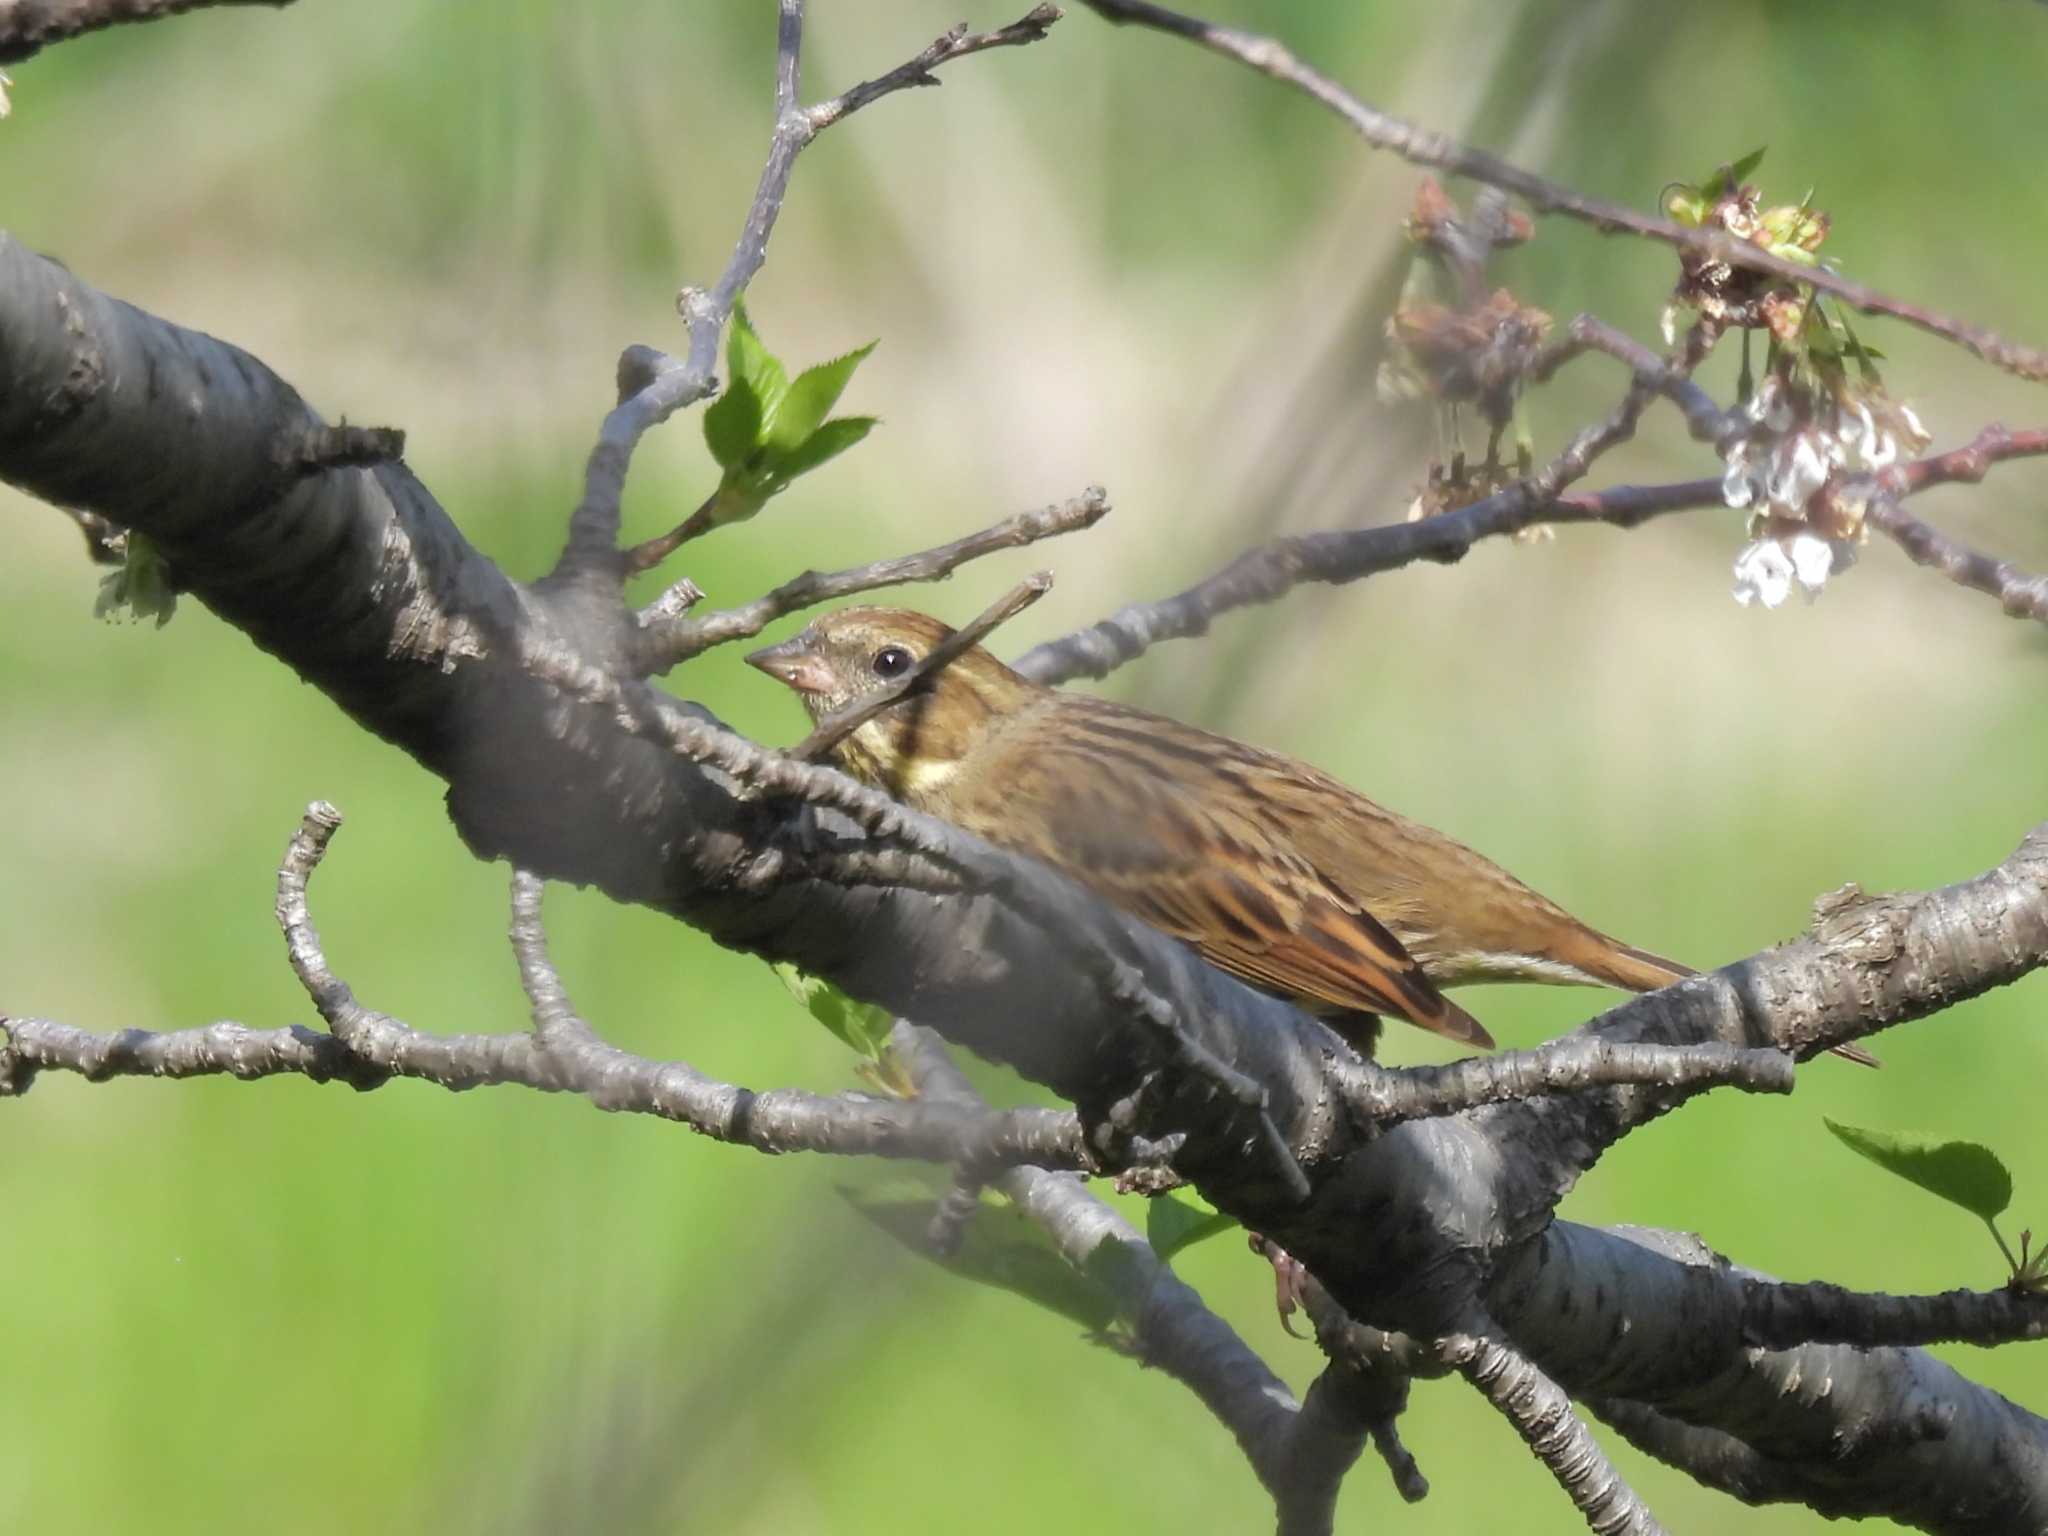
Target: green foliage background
pixel 1105 258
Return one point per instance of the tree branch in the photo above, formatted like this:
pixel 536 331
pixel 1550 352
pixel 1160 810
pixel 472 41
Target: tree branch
pixel 2020 594
pixel 28 26
pixel 668 644
pixel 562 1055
pixel 1848 1431
pixel 1438 151
pixel 1542 1415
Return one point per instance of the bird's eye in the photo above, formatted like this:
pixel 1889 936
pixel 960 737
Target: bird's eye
pixel 892 661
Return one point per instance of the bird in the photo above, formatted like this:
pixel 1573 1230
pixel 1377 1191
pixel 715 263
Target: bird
pixel 1267 867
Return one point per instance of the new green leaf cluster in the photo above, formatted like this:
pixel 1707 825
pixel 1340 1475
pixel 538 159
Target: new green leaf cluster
pixel 767 428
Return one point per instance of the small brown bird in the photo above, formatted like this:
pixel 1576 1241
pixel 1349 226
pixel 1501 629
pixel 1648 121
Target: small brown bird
pixel 1272 870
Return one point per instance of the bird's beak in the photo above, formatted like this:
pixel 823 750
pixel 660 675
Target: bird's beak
pixel 795 663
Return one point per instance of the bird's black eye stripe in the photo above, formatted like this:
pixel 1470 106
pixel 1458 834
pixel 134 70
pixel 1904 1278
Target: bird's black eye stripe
pixel 892 661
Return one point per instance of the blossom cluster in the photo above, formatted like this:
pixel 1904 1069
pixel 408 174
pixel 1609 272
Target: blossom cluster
pixel 1803 442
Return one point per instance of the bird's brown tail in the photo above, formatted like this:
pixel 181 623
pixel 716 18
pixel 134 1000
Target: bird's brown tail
pixel 1633 970
pixel 1637 970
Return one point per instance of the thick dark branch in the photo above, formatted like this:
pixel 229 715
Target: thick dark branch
pixel 1711 1456
pixel 678 641
pixel 1438 151
pixel 27 26
pixel 1846 1430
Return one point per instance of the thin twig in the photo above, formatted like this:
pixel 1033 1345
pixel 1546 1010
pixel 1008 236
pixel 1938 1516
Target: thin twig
pixel 1541 1413
pixel 666 645
pixel 2020 594
pixel 954 44
pixel 1589 333
pixel 1390 1095
pixel 840 724
pixel 562 1054
pixel 1420 146
pixel 1270 571
pixel 1380 1364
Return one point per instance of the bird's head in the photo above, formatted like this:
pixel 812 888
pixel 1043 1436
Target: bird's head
pixel 911 748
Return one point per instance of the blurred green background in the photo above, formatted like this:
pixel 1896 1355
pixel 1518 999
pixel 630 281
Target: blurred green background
pixel 1106 258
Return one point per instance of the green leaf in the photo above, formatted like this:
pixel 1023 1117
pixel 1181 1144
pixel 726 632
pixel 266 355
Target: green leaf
pixel 828 442
pixel 1960 1172
pixel 1181 1219
pixel 1740 170
pixel 807 402
pixel 862 1026
pixel 141 585
pixel 1001 1247
pixel 747 359
pixel 732 426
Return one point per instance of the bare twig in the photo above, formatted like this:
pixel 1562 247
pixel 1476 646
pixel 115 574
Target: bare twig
pixel 1270 571
pixel 954 44
pixel 562 1055
pixel 28 1046
pixel 1573 1064
pixel 1967 464
pixel 1380 1366
pixel 667 386
pixel 669 644
pixel 1542 1415
pixel 2020 594
pixel 1588 333
pixel 1420 146
pixel 839 725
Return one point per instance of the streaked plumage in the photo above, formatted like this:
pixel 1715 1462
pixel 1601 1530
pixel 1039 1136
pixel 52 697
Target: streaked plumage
pixel 1271 869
